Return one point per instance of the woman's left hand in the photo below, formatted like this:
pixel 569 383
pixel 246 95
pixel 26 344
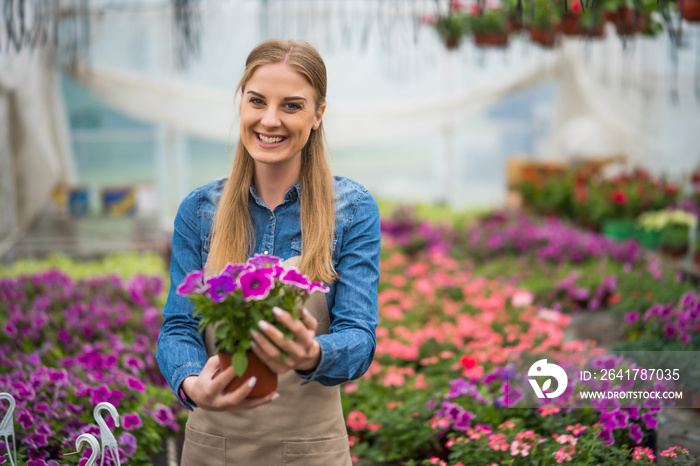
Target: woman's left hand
pixel 303 352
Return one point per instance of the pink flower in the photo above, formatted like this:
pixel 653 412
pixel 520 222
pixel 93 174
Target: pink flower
pixel 643 453
pixel 255 285
pixel 295 278
pixel 192 283
pixel 220 287
pixel 131 421
pixel 564 454
pixel 357 420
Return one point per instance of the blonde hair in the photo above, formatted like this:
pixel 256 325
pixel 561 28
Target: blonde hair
pixel 232 227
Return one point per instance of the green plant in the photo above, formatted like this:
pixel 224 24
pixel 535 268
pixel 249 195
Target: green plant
pixel 487 20
pixel 546 14
pixel 451 27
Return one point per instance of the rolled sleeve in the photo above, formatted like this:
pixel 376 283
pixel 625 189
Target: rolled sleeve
pixel 347 351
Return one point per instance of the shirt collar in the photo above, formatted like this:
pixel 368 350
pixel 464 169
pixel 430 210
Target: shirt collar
pixel 292 193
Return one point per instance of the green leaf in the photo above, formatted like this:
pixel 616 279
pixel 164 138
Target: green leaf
pixel 239 361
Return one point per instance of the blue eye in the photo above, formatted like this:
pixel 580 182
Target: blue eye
pixel 256 101
pixel 293 106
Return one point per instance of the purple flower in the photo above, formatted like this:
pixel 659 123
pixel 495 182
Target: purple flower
pixel 607 437
pixel 261 261
pixel 635 433
pixel 653 405
pixel 99 394
pixel 133 363
pixel 255 285
pixel 128 443
pixel 234 270
pixel 163 415
pixel 669 331
pixel 220 287
pixel 632 412
pixel 649 420
pixel 295 278
pixel 632 317
pixel 131 421
pixel 135 384
pixel 614 420
pixel 192 283
pixel 317 286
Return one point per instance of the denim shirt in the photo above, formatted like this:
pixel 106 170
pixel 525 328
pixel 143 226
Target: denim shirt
pixel 348 349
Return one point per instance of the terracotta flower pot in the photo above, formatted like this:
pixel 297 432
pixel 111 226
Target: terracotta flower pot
pixel 691 10
pixel 570 25
pixel 515 24
pixel 546 37
pixel 451 43
pixel 628 21
pixel 596 32
pixel 267 380
pixel 491 39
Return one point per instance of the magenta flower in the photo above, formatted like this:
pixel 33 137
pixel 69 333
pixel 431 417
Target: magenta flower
pixel 135 384
pixel 131 421
pixel 635 433
pixel 234 270
pixel 255 285
pixel 607 437
pixel 192 283
pixel 260 261
pixel 128 443
pixel 317 286
pixel 163 415
pixel 614 420
pixel 632 317
pixel 649 420
pixel 220 287
pixel 295 278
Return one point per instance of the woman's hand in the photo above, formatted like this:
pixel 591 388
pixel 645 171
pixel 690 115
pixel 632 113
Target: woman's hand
pixel 302 352
pixel 207 389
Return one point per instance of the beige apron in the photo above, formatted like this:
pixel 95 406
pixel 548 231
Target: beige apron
pixel 303 427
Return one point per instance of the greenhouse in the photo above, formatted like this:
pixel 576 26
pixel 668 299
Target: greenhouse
pixel 334 232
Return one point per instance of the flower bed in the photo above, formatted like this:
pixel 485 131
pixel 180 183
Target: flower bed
pixel 67 345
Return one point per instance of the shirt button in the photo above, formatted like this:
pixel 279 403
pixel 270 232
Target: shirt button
pixel 266 252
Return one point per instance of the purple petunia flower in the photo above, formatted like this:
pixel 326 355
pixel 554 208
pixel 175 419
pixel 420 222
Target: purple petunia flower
pixel 653 405
pixel 295 278
pixel 192 283
pixel 255 285
pixel 650 420
pixel 607 437
pixel 135 384
pixel 317 286
pixel 614 420
pixel 635 433
pixel 163 415
pixel 632 317
pixel 131 421
pixel 261 261
pixel 128 443
pixel 220 287
pixel 234 270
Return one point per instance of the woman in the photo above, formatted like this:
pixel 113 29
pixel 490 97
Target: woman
pixel 280 199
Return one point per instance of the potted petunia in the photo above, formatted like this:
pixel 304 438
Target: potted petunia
pixel 543 22
pixel 232 303
pixel 489 26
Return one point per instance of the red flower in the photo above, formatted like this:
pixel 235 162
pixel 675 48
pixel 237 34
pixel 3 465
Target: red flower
pixel 428 19
pixel 576 8
pixel 619 197
pixel 695 176
pixel 581 195
pixel 671 189
pixel 467 362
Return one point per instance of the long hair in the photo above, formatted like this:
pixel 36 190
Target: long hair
pixel 232 228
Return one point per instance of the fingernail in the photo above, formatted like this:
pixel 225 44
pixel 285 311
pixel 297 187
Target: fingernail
pixel 274 397
pixel 305 312
pixel 251 382
pixel 263 325
pixel 277 311
pixel 255 333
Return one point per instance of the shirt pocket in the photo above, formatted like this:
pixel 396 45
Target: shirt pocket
pixel 203 449
pixel 324 452
pixel 296 247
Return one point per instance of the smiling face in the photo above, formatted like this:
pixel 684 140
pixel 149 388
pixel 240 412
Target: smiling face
pixel 278 113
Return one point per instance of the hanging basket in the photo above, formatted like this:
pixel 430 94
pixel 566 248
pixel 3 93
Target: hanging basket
pixel 570 25
pixel 546 37
pixel 596 32
pixel 628 21
pixel 691 10
pixel 451 43
pixel 491 39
